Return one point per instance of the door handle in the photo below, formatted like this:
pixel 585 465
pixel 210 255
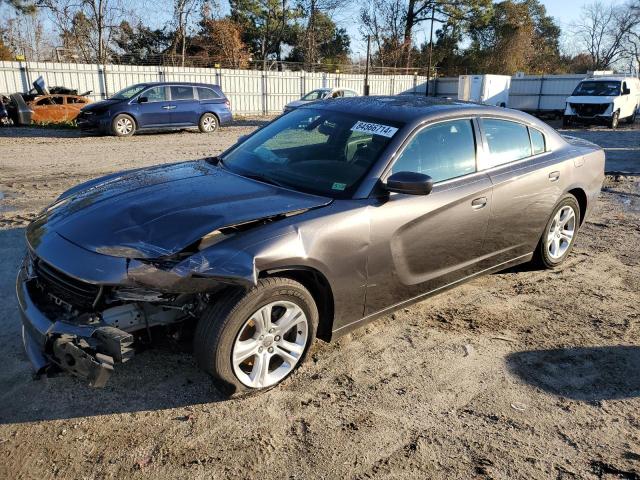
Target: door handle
pixel 479 203
pixel 554 176
pixel 169 107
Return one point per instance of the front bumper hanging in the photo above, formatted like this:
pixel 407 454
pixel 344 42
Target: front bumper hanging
pixel 86 350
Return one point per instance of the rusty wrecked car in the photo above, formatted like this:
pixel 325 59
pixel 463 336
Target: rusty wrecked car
pixel 320 221
pixel 43 105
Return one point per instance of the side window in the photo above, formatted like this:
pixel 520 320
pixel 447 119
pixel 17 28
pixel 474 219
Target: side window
pixel 155 94
pixel 349 93
pixel 181 93
pixel 443 151
pixel 508 141
pixel 207 94
pixel 76 100
pixel 537 141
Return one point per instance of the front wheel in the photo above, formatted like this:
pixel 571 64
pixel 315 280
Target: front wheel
pixel 253 340
pixel 208 123
pixel 123 125
pixel 615 120
pixel 559 233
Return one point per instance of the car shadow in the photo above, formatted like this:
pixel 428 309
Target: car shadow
pixel 163 375
pixel 39 132
pixel 589 374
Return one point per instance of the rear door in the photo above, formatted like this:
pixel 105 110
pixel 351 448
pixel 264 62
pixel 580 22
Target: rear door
pixel 186 109
pixel 420 243
pixel 527 182
pixel 155 109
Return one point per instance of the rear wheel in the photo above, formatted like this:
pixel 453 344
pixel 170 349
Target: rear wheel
pixel 559 233
pixel 253 340
pixel 208 123
pixel 123 125
pixel 566 121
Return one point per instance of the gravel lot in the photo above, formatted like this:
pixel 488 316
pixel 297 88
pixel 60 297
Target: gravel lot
pixel 521 374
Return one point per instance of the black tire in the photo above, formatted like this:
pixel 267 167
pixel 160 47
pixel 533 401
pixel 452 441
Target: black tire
pixel 222 322
pixel 208 123
pixel 615 120
pixel 542 256
pixel 566 121
pixel 123 125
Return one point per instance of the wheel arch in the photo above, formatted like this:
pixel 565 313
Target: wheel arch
pixel 581 197
pixel 128 114
pixel 319 287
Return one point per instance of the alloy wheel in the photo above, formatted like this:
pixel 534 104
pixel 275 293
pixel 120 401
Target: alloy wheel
pixel 270 344
pixel 561 232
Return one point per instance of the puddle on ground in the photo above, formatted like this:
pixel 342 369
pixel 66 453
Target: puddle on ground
pixel 3 206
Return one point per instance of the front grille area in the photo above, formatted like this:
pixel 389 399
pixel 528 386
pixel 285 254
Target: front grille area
pixel 589 109
pixel 63 287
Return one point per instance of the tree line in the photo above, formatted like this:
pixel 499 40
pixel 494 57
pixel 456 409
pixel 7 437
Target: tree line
pixel 468 36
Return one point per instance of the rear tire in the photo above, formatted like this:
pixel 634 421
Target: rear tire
pixel 208 123
pixel 559 234
pixel 566 121
pixel 256 324
pixel 123 125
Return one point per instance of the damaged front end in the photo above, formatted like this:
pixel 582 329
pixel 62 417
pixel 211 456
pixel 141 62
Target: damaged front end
pixel 84 328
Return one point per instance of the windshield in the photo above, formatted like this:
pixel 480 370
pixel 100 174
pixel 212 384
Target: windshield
pixel 314 151
pixel 128 92
pixel 315 95
pixel 597 89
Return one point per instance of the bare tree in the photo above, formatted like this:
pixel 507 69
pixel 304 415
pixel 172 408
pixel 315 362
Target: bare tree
pixel 603 32
pixel 91 24
pixel 182 12
pixel 383 21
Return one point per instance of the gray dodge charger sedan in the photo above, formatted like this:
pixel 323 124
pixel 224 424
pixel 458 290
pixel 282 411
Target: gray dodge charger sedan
pixel 322 220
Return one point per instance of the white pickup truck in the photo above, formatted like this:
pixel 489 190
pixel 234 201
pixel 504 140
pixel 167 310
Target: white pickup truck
pixel 606 99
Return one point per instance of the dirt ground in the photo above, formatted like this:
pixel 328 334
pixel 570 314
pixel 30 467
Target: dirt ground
pixel 521 374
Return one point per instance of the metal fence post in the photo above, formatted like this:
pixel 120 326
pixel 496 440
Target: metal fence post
pixel 415 82
pixel 265 100
pixel 540 93
pixel 302 83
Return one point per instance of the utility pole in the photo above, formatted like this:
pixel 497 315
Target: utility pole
pixel 433 14
pixel 366 68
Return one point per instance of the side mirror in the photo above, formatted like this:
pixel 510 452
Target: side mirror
pixel 143 100
pixel 626 91
pixel 411 183
pixel 242 138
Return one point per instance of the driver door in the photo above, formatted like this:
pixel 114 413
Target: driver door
pixel 422 243
pixel 156 111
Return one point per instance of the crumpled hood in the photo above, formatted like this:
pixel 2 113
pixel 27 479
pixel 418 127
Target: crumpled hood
pixel 158 211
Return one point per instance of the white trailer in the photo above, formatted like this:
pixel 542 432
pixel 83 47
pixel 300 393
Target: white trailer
pixel 487 89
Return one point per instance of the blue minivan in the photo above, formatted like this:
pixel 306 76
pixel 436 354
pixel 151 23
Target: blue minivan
pixel 158 105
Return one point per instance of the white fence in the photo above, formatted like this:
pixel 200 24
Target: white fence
pixel 262 93
pixel 249 91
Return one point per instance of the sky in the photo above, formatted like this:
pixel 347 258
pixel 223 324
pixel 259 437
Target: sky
pixel 563 11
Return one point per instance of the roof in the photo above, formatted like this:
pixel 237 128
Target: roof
pixel 404 108
pixel 608 78
pixel 194 84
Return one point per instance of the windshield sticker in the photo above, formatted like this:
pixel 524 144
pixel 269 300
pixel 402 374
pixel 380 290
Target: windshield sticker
pixel 338 186
pixel 374 128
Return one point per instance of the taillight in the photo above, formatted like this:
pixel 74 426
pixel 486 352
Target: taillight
pixel 228 104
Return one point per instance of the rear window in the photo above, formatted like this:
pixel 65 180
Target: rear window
pixel 508 141
pixel 181 93
pixel 207 94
